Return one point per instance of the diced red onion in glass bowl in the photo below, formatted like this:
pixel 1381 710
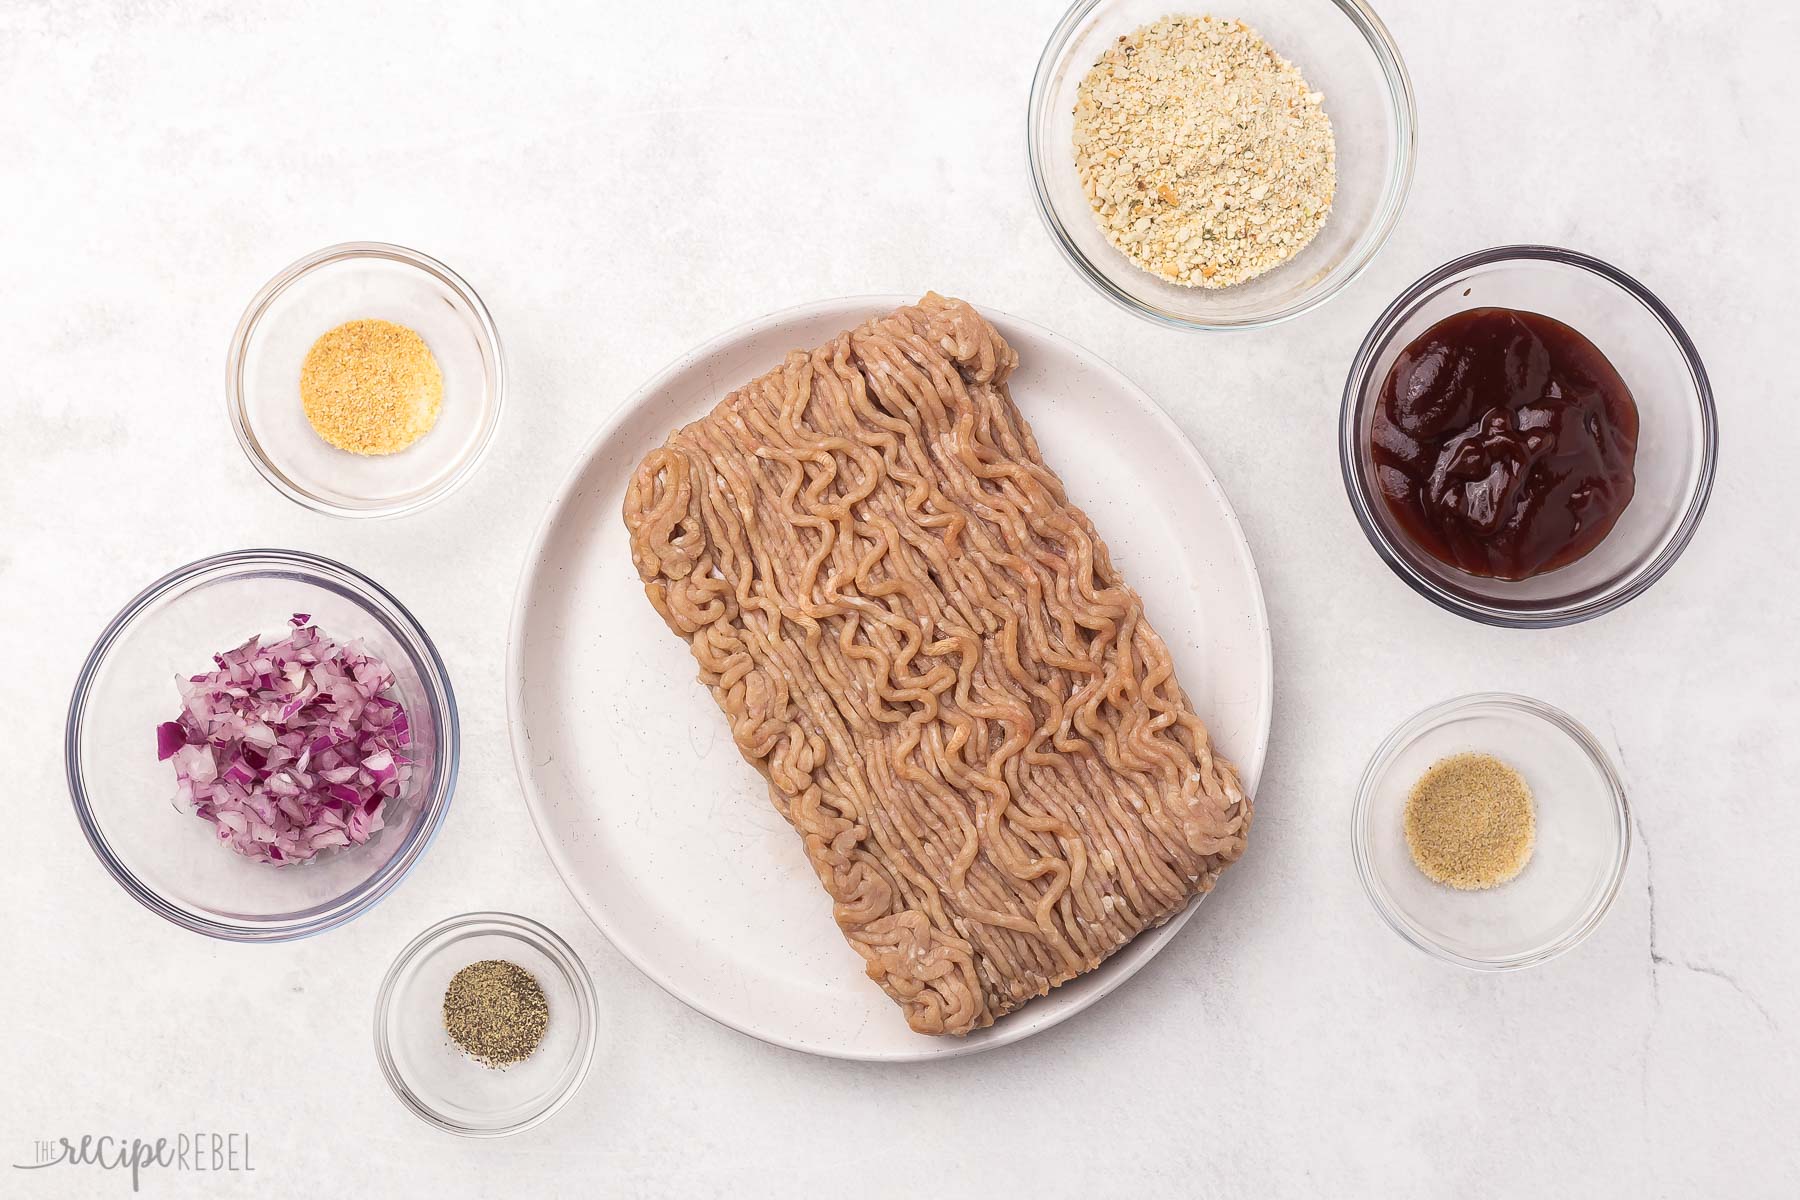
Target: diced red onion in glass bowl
pixel 289 747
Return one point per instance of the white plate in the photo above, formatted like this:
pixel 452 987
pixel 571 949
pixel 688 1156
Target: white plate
pixel 667 838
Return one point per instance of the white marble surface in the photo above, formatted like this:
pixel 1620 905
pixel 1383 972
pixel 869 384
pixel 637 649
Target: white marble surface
pixel 622 181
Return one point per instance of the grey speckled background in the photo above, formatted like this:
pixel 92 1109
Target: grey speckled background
pixel 622 181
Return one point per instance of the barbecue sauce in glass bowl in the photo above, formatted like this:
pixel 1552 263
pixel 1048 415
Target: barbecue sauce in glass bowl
pixel 1504 443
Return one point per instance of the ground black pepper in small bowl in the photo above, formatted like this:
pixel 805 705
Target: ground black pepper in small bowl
pixel 496 1012
pixel 481 990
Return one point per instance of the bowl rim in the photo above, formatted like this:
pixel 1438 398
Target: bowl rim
pixel 1404 111
pixel 258 307
pixel 1429 718
pixel 541 938
pixel 1357 384
pixel 435 805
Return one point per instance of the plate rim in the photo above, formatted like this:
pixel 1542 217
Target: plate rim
pixel 1014 1030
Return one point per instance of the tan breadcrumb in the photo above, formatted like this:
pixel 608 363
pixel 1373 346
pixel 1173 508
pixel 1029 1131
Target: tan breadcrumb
pixel 1470 822
pixel 371 387
pixel 1206 156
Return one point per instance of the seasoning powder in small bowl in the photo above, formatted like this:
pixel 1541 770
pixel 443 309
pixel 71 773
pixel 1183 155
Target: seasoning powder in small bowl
pixel 1470 822
pixel 365 380
pixel 371 387
pixel 1490 831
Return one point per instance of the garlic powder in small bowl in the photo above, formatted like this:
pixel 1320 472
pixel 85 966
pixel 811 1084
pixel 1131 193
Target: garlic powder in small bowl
pixel 1541 850
pixel 1471 822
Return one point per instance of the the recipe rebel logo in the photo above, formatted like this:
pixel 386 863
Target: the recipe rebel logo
pixel 194 1153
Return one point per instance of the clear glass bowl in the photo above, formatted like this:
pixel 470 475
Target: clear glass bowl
pixel 438 1082
pixel 349 282
pixel 1344 51
pixel 1583 835
pixel 1678 439
pixel 169 859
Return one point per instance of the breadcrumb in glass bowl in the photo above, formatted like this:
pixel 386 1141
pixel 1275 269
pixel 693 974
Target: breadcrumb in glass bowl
pixel 1344 51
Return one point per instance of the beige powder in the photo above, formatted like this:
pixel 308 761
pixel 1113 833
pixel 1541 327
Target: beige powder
pixel 1470 822
pixel 371 387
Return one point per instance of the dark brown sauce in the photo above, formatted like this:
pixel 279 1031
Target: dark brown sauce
pixel 1504 443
